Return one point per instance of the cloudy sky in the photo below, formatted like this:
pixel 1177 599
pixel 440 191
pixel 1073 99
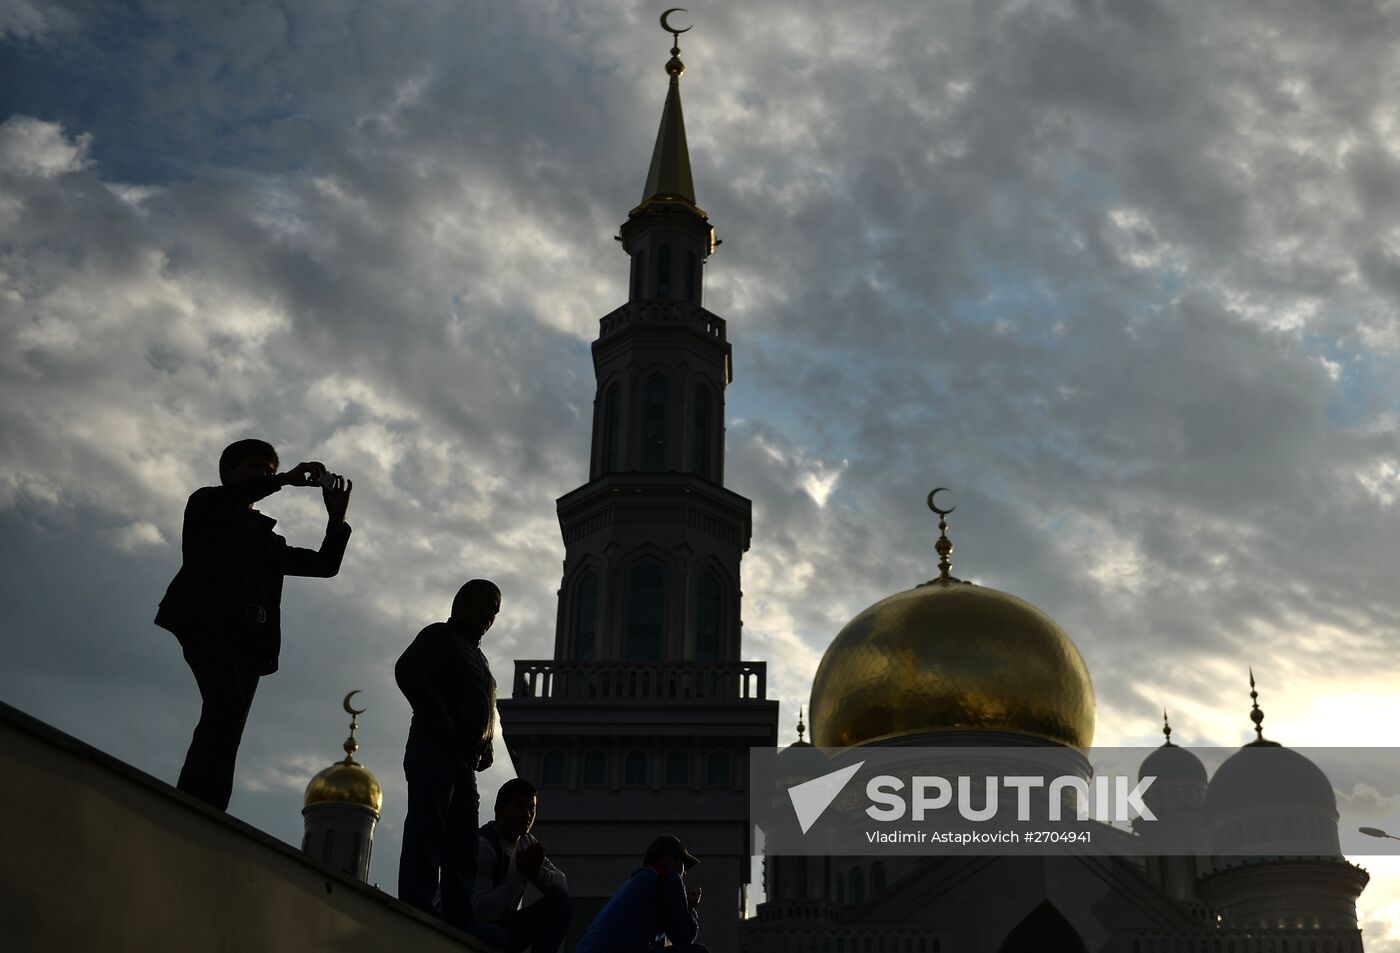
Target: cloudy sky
pixel 1124 276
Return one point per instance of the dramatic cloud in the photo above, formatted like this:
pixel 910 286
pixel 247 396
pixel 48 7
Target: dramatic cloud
pixel 1126 277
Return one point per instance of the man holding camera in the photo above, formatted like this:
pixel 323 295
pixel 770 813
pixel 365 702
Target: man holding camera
pixel 224 605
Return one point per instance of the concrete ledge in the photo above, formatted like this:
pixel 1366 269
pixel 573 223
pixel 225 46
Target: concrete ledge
pixel 99 856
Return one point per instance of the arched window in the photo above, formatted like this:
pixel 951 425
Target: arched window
pixel 663 272
pixel 586 616
pixel 700 433
pixel 707 617
pixel 552 769
pixel 677 769
pixel 654 433
pixel 646 607
pixel 634 769
pixel 877 878
pixel 595 769
pixel 639 275
pixel 840 889
pixel 857 886
pixel 612 422
pixel 717 770
pixel 691 284
pixel 328 844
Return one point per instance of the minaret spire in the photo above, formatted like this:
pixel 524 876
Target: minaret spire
pixel 669 174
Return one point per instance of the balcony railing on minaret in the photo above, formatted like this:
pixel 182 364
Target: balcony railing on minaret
pixel 640 681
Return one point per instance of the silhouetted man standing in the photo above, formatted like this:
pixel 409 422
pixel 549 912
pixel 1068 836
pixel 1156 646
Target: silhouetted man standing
pixel 224 605
pixel 444 676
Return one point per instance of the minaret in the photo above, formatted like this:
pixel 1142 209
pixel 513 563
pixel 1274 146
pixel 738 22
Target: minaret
pixel 653 539
pixel 341 809
pixel 642 721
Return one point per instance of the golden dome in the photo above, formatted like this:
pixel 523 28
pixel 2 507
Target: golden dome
pixel 951 656
pixel 348 781
pixel 345 782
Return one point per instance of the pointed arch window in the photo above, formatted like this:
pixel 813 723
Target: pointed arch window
pixel 692 283
pixel 654 446
pixel 677 769
pixel 877 878
pixel 612 421
pixel 586 617
pixel 663 271
pixel 840 889
pixel 717 770
pixel 595 769
pixel 700 442
pixel 707 617
pixel 646 607
pixel 639 275
pixel 552 769
pixel 857 886
pixel 634 770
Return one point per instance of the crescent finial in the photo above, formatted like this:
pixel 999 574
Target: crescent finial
pixel 352 712
pixel 667 26
pixel 934 506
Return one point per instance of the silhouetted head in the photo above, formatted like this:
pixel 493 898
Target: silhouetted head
pixel 668 851
pixel 516 803
pixel 476 605
pixel 245 459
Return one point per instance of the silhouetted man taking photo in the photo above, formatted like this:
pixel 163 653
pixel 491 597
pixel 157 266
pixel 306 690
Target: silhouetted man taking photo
pixel 444 676
pixel 224 605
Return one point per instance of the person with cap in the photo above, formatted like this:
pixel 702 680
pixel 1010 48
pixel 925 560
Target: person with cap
pixel 653 906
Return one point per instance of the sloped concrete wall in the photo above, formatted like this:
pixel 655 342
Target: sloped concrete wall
pixel 97 856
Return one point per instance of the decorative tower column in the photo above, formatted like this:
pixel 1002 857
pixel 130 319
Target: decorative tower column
pixel 341 809
pixel 641 722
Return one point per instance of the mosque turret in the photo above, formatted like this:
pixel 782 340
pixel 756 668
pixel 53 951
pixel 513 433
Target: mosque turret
pixel 341 809
pixel 1177 844
pixel 1273 821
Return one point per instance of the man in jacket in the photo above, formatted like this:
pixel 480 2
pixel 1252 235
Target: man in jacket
pixel 508 859
pixel 446 680
pixel 651 907
pixel 224 605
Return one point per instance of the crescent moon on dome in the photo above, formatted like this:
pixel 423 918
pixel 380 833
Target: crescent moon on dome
pixel 667 27
pixel 352 712
pixel 934 506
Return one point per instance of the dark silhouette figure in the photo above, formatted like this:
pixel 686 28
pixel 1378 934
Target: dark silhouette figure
pixel 444 676
pixel 508 859
pixel 652 904
pixel 224 605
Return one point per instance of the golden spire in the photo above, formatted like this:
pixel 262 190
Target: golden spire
pixel 669 176
pixel 801 728
pixel 944 546
pixel 1167 730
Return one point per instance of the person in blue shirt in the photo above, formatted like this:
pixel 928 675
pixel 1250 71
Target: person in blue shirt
pixel 651 907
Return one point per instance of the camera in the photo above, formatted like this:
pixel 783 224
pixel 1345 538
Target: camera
pixel 327 480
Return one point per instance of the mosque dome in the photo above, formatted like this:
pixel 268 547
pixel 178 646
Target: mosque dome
pixel 801 760
pixel 345 782
pixel 1172 764
pixel 951 656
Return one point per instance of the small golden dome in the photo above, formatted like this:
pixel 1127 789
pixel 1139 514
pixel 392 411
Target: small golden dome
pixel 951 656
pixel 347 782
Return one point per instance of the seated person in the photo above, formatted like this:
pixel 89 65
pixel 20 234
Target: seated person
pixel 508 859
pixel 653 906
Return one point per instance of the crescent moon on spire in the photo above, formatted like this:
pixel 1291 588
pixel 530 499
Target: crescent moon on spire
pixel 667 27
pixel 934 506
pixel 352 712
